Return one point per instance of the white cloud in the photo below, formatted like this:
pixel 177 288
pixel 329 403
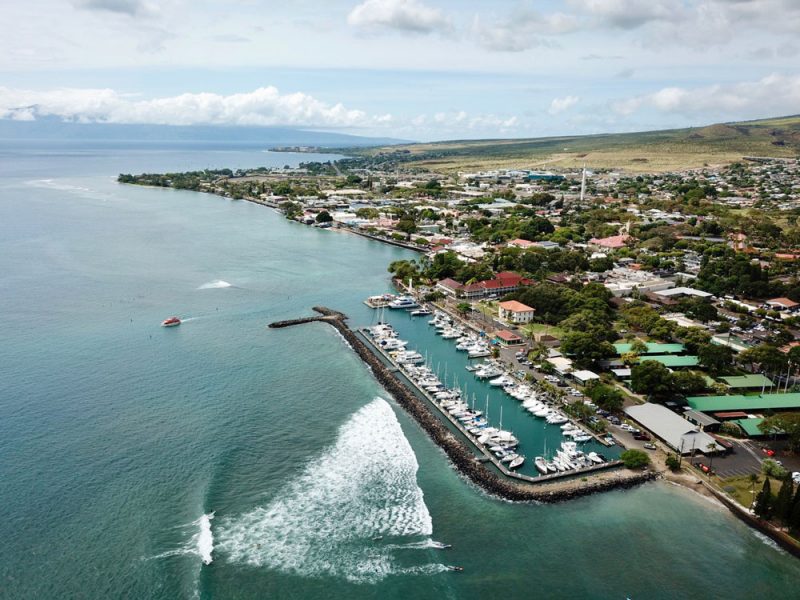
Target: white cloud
pixel 629 14
pixel 264 106
pixel 522 30
pixel 131 8
pixel 403 15
pixel 773 95
pixel 559 105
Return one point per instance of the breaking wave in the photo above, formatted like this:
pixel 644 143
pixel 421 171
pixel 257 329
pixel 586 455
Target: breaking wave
pixel 217 284
pixel 201 543
pixel 327 521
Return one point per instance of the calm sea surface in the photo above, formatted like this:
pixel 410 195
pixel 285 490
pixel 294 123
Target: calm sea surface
pixel 132 455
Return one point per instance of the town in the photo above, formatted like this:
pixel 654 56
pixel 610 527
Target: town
pixel 668 303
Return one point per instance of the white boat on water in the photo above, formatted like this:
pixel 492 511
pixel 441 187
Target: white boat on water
pixel 541 464
pixel 582 437
pixel 478 352
pixel 517 462
pixel 403 302
pixel 420 312
pixel 502 381
pixel 595 458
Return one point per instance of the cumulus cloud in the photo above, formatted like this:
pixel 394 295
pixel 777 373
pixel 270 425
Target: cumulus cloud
pixel 264 106
pixel 559 105
pixel 773 95
pixel 409 16
pixel 629 14
pixel 522 30
pixel 131 8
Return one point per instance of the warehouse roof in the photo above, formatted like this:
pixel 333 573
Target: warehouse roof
pixel 652 348
pixel 750 426
pixel 678 433
pixel 670 360
pixel 755 402
pixel 747 381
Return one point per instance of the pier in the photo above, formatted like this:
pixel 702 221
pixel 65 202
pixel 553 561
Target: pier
pixel 496 480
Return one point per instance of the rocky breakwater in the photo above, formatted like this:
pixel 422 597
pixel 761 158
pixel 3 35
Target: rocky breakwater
pixel 457 451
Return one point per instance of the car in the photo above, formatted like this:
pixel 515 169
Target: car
pixel 626 427
pixel 768 451
pixel 703 467
pixel 601 412
pixel 649 446
pixel 642 437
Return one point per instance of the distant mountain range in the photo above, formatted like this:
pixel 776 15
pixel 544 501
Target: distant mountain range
pixel 269 137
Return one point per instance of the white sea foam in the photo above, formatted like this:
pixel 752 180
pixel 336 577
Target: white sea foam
pixel 217 284
pixel 324 522
pixel 205 538
pixel 201 543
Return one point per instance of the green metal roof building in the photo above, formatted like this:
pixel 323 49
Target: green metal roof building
pixel 652 348
pixel 747 381
pixel 750 426
pixel 672 361
pixel 755 402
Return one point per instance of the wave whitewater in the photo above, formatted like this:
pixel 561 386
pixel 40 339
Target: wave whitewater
pixel 217 284
pixel 325 521
pixel 201 543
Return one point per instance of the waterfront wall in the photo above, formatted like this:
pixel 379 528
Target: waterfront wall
pixel 460 455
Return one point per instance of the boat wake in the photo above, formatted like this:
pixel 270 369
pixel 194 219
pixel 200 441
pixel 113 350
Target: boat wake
pixel 217 284
pixel 201 543
pixel 324 523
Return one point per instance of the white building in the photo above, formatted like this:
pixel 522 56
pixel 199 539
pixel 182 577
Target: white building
pixel 515 312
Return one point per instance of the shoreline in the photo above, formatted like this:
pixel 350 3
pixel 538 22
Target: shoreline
pixel 459 454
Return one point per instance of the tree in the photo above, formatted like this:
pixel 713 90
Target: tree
pixel 639 346
pixel 324 217
pixel 463 308
pixel 783 501
pixel 767 356
pixel 771 468
pixel 585 347
pixel 794 518
pixel 687 382
pixel 407 226
pixel 753 478
pixel 711 450
pixel 789 423
pixel 717 359
pixel 763 507
pixel 673 462
pixel 606 397
pixel 635 459
pixel 652 378
pixel 536 228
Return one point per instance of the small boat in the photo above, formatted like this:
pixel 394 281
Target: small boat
pixel 403 302
pixel 171 322
pixel 541 464
pixel 420 312
pixel 517 462
pixel 595 458
pixel 455 568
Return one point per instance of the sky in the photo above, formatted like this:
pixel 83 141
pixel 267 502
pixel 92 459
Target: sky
pixel 411 69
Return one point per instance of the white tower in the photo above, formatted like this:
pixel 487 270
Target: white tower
pixel 583 183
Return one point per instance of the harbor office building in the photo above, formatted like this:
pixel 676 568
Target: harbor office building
pixel 515 312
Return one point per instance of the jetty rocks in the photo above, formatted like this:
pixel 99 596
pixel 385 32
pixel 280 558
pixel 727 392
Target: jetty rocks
pixel 457 451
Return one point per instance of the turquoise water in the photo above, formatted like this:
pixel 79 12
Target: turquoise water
pixel 117 436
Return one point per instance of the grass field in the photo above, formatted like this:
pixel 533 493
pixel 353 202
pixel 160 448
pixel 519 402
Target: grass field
pixel 536 328
pixel 653 151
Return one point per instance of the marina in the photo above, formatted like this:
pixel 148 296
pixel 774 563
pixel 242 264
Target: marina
pixel 479 466
pixel 537 424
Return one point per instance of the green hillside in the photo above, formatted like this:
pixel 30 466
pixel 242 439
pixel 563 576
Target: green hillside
pixel 645 151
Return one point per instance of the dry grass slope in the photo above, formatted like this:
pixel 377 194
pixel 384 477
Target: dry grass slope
pixel 652 151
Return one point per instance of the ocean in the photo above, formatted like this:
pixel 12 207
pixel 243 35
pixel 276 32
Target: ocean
pixel 222 459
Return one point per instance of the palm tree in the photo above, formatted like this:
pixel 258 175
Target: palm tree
pixel 711 448
pixel 753 478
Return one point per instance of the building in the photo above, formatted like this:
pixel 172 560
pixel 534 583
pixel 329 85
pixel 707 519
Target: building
pixel 503 283
pixel 515 312
pixel 782 304
pixel 507 338
pixel 760 402
pixel 615 242
pixel 675 431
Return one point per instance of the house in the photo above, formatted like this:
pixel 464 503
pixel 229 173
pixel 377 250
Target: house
pixel 507 338
pixel 615 242
pixel 515 312
pixel 782 304
pixel 520 243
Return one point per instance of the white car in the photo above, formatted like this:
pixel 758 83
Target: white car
pixel 796 476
